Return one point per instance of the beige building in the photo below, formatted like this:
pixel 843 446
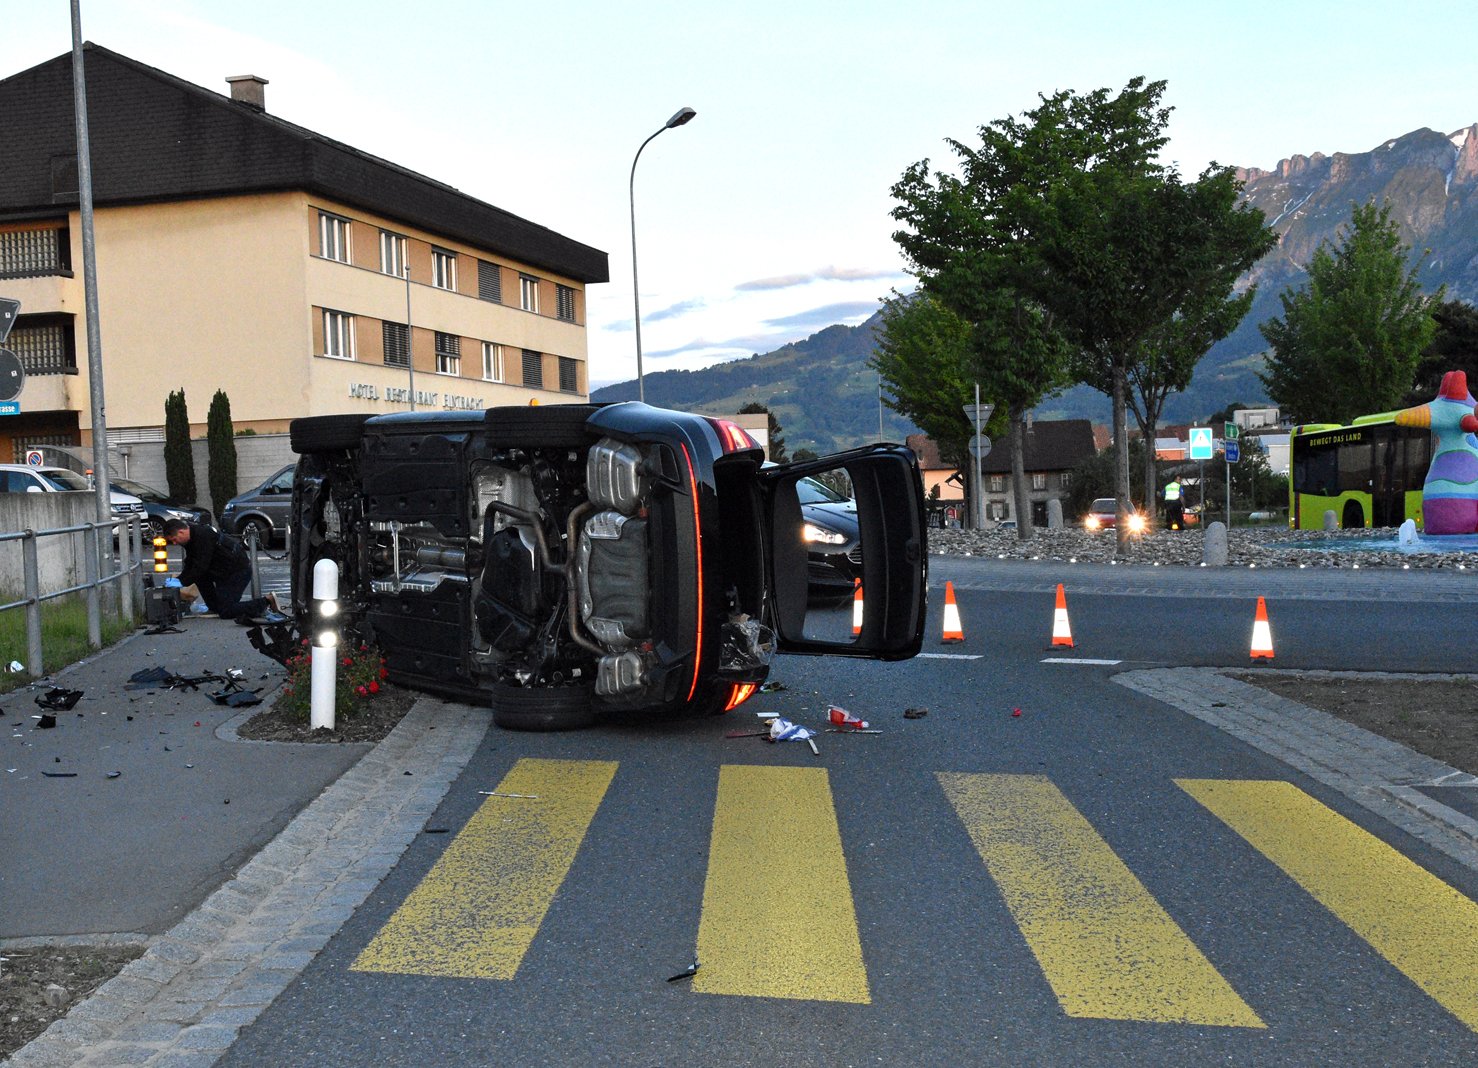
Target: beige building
pixel 236 251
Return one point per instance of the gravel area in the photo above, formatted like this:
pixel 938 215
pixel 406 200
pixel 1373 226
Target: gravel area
pixel 1247 546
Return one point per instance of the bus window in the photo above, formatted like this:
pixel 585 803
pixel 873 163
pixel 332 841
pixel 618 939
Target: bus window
pixel 1316 471
pixel 1355 471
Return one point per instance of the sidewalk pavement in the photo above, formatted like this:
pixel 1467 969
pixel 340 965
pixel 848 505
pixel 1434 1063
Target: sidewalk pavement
pixel 86 853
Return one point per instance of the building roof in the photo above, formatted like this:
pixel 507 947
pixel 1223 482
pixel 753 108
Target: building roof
pixel 156 137
pixel 1051 445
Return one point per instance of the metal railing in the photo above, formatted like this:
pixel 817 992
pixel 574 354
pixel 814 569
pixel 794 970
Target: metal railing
pixel 100 569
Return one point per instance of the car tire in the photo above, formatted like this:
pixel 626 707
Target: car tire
pixel 555 708
pixel 153 528
pixel 556 426
pixel 326 433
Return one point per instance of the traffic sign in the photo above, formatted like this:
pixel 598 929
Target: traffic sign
pixel 1233 451
pixel 12 375
pixel 1231 431
pixel 985 413
pixel 9 309
pixel 1201 444
pixel 984 447
pixel 34 458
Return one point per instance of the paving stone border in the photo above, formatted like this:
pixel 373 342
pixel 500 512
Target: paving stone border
pixel 185 1000
pixel 1376 773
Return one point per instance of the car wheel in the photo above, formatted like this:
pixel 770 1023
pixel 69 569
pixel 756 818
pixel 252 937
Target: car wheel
pixel 557 426
pixel 153 528
pixel 261 526
pixel 554 708
pixel 326 433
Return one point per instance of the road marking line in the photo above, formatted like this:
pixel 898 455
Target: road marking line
pixel 477 910
pixel 1409 916
pixel 1079 660
pixel 950 656
pixel 778 919
pixel 1106 946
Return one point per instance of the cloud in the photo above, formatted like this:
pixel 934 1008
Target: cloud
pixel 675 310
pixel 821 274
pixel 826 315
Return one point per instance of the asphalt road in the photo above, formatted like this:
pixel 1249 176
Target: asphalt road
pixel 1100 880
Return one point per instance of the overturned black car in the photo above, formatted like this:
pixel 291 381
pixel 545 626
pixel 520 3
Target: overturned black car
pixel 559 561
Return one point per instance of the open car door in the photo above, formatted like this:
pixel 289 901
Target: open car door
pixel 848 557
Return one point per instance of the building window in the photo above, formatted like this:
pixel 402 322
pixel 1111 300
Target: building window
pixel 34 253
pixel 393 254
pixel 397 344
pixel 489 281
pixel 528 293
pixel 46 346
pixel 1039 480
pixel 997 510
pixel 569 379
pixel 492 362
pixel 997 483
pixel 565 299
pixel 333 237
pixel 443 268
pixel 448 354
pixel 338 335
pixel 533 369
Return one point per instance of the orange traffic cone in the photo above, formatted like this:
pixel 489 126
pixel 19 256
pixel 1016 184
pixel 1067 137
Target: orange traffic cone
pixel 1262 634
pixel 857 607
pixel 1062 634
pixel 952 631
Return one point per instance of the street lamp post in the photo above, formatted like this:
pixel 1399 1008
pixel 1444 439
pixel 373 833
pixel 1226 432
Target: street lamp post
pixel 683 116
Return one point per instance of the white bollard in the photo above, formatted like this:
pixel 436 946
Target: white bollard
pixel 324 621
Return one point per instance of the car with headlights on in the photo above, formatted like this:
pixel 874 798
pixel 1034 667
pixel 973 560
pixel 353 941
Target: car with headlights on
pixel 559 562
pixel 1103 514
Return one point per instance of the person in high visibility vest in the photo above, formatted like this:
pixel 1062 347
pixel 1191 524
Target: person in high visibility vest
pixel 1174 509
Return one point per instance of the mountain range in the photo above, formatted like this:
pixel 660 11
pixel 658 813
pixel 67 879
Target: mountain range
pixel 825 397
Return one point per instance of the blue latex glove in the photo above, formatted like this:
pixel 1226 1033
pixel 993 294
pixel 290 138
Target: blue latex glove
pixel 172 581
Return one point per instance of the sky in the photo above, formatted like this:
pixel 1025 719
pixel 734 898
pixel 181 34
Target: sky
pixel 766 218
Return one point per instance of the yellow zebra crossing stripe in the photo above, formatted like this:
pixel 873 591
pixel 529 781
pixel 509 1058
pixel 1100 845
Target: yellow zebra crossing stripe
pixel 476 912
pixel 778 919
pixel 1107 948
pixel 1410 917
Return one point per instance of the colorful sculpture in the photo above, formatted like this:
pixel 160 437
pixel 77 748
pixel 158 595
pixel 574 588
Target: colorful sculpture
pixel 1450 494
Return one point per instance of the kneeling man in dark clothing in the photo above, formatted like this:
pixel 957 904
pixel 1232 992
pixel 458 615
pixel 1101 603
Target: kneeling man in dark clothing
pixel 216 565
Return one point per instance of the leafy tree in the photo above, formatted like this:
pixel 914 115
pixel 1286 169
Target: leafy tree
pixel 179 463
pixel 1349 342
pixel 776 442
pixel 1214 259
pixel 803 454
pixel 1065 236
pixel 1454 347
pixel 220 451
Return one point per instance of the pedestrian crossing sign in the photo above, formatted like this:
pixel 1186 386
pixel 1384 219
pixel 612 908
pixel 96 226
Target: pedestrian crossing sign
pixel 1201 444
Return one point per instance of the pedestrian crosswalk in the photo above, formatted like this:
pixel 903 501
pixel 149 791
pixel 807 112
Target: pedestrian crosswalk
pixel 1105 946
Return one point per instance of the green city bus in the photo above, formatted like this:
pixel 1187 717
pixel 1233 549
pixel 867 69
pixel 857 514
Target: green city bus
pixel 1369 474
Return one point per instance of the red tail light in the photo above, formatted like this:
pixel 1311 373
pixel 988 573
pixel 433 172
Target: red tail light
pixel 734 437
pixel 742 692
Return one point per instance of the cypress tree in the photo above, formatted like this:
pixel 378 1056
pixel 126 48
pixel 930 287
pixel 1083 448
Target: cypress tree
pixel 220 439
pixel 179 465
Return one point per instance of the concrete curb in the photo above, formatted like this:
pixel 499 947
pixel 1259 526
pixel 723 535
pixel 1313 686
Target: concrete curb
pixel 185 1000
pixel 1376 773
